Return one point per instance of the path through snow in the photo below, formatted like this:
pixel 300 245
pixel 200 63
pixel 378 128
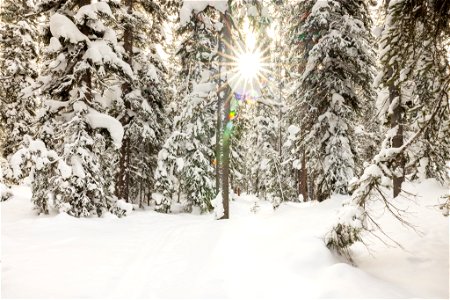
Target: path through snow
pixel 264 255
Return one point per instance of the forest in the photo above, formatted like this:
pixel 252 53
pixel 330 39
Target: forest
pixel 223 149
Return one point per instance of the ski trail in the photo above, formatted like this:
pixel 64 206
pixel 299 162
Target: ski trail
pixel 170 251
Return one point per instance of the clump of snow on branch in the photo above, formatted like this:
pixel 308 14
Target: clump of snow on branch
pixel 62 26
pixel 190 6
pixel 217 203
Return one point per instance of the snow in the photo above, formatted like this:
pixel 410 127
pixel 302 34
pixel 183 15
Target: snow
pixel 180 164
pixel 158 197
pixel 61 26
pixel 100 53
pixel 77 166
pixel 127 207
pixel 293 130
pixel 194 5
pixel 267 254
pixel 64 169
pixel 54 45
pixel 217 203
pixel 252 11
pixel 319 5
pixel 36 150
pixel 90 11
pixel 99 120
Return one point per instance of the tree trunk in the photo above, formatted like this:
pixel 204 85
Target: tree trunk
pixel 396 120
pixel 123 182
pixel 219 119
pixel 227 130
pixel 397 142
pixel 303 180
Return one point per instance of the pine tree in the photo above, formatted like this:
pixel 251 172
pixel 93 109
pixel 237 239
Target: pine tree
pixel 186 159
pixel 333 86
pixel 140 110
pixel 18 68
pixel 422 69
pixel 83 56
pixel 256 149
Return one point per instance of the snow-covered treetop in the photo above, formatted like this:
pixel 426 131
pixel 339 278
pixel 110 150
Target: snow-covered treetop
pixel 192 5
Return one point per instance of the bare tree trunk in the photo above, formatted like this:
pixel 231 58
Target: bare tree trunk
pixel 219 120
pixel 303 180
pixel 123 182
pixel 396 121
pixel 227 136
pixel 397 142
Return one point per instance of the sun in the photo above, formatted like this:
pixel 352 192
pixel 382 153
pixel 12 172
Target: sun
pixel 249 65
pixel 246 62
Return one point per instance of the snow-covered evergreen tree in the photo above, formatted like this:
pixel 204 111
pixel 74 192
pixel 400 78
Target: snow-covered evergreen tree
pixel 414 83
pixel 335 83
pixel 19 39
pixel 140 109
pixel 186 159
pixel 83 54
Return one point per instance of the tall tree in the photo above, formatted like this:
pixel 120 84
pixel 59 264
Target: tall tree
pixel 19 66
pixel 140 109
pixel 421 31
pixel 335 83
pixel 185 163
pixel 83 59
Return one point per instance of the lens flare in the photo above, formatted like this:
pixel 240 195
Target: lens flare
pixel 249 65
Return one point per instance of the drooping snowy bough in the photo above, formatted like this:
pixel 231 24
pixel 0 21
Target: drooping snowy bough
pixel 414 37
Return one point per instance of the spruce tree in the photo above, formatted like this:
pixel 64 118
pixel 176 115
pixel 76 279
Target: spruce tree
pixel 84 58
pixel 334 84
pixel 140 109
pixel 185 163
pixel 19 66
pixel 418 30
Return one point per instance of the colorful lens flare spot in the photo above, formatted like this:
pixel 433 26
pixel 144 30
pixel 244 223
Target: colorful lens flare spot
pixel 232 115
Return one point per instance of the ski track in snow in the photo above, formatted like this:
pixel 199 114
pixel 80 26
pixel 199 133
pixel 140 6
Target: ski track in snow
pixel 271 255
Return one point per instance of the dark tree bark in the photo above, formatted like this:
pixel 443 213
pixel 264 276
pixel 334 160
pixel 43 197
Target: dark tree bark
pixel 397 142
pixel 219 118
pixel 396 120
pixel 86 78
pixel 227 136
pixel 303 178
pixel 123 178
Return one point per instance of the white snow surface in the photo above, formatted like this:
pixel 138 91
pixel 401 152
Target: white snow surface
pixel 267 254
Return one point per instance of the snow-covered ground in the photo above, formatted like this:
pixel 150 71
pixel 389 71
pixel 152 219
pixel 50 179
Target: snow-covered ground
pixel 265 254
